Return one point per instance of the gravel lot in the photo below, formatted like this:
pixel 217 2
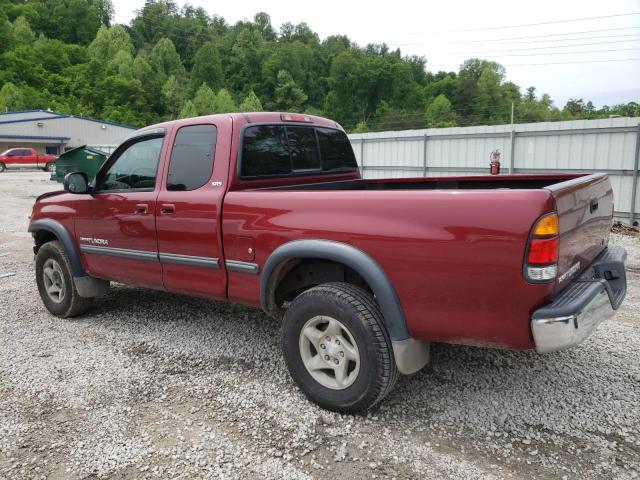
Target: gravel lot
pixel 152 385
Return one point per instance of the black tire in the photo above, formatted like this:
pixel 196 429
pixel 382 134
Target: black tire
pixel 50 167
pixel 2 167
pixel 71 304
pixel 358 312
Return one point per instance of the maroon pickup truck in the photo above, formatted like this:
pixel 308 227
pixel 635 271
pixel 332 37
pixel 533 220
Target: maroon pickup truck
pixel 26 158
pixel 270 210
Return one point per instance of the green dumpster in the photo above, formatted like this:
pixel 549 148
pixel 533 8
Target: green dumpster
pixel 80 159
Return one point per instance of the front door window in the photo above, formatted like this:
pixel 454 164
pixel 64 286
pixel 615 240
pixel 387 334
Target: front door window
pixel 134 169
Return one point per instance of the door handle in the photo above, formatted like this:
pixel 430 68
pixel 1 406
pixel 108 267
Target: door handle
pixel 167 208
pixel 141 209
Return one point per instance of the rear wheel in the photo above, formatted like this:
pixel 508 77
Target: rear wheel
pixel 2 167
pixel 337 349
pixel 55 284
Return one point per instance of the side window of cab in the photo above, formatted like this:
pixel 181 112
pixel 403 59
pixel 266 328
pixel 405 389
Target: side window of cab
pixel 135 167
pixel 192 157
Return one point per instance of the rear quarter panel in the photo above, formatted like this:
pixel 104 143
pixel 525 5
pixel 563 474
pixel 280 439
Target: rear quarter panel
pixel 454 257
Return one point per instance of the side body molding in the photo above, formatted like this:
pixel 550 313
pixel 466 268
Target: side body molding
pixel 410 355
pixel 86 285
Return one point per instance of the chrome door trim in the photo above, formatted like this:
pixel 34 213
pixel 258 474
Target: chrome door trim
pixel 174 258
pixel 242 267
pixel 190 260
pixel 120 252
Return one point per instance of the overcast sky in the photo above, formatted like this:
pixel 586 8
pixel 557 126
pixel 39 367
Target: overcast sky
pixel 447 32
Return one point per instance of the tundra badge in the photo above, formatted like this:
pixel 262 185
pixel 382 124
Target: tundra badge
pixel 570 272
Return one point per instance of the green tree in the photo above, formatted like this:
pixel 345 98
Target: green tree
pixel 154 21
pixel 165 60
pixel 247 55
pixel 122 63
pixel 105 11
pixel 469 75
pixel 262 22
pixel 204 101
pixel 173 95
pixel 109 41
pixel 446 85
pixel 530 95
pixel 11 98
pixel 473 69
pixel 251 103
pixel 361 127
pixel 488 103
pixel 575 107
pixel 288 95
pixel 188 110
pixel 141 69
pixel 22 33
pixel 207 67
pixel 70 21
pixel 440 113
pixel 6 33
pixel 144 73
pixel 150 104
pixel 224 102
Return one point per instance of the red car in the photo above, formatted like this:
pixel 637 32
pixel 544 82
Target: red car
pixel 15 158
pixel 270 210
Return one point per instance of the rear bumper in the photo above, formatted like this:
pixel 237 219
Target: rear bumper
pixel 583 305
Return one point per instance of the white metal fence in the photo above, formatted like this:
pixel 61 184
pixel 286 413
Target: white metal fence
pixel 609 145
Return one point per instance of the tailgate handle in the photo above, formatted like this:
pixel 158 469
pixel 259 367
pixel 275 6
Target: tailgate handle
pixel 593 205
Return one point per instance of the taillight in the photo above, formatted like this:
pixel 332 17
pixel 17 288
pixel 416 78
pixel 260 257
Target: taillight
pixel 543 251
pixel 541 263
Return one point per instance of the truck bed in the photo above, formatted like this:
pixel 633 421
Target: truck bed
pixel 480 182
pixel 450 245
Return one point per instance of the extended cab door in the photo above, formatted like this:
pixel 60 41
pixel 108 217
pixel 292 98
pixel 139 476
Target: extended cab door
pixel 19 158
pixel 115 225
pixel 190 207
pixel 28 158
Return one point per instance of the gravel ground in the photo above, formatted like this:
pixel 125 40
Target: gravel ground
pixel 151 385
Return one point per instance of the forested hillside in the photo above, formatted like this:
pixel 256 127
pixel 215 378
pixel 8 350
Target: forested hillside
pixel 173 62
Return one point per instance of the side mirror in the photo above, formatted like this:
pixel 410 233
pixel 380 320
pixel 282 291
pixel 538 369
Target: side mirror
pixel 76 182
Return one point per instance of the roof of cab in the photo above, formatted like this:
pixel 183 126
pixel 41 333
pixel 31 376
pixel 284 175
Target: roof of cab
pixel 244 118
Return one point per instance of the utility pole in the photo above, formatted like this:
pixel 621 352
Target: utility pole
pixel 511 138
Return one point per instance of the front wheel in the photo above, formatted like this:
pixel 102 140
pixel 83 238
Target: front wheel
pixel 55 284
pixel 337 349
pixel 51 167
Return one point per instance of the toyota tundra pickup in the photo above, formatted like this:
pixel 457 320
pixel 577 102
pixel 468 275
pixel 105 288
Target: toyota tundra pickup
pixel 26 158
pixel 270 210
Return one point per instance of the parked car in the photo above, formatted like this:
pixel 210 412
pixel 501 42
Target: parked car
pixel 26 158
pixel 270 210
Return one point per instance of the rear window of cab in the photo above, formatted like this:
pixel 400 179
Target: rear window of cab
pixel 288 150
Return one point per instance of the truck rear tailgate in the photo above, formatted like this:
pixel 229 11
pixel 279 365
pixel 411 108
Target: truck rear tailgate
pixel 585 212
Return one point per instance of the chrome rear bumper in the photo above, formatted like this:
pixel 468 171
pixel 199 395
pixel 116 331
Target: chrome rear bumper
pixel 583 305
